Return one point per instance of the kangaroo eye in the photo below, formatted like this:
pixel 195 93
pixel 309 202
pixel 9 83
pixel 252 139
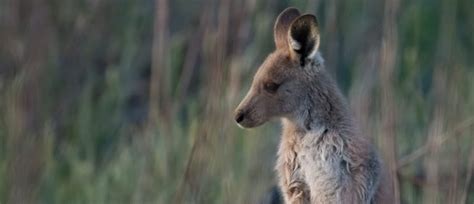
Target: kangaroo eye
pixel 271 87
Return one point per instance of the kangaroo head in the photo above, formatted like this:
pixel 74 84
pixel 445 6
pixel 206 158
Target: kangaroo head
pixel 283 80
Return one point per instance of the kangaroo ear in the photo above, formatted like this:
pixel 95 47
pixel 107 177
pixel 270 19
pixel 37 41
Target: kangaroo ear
pixel 303 37
pixel 282 25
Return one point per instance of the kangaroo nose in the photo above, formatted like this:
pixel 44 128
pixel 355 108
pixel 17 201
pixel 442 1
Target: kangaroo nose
pixel 239 117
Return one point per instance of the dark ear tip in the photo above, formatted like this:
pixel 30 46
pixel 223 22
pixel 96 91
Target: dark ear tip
pixel 307 18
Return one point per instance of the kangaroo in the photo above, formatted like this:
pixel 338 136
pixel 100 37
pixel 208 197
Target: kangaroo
pixel 322 158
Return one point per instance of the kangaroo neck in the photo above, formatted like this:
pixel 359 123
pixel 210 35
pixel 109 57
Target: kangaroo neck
pixel 323 109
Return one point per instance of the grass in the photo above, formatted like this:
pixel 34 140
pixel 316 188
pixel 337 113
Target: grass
pixel 81 132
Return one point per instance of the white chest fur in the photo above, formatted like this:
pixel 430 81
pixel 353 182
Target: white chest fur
pixel 312 165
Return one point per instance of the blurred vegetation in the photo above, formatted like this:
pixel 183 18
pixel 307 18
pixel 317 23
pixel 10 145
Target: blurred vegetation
pixel 131 101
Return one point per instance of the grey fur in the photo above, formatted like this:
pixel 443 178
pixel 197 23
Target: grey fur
pixel 322 158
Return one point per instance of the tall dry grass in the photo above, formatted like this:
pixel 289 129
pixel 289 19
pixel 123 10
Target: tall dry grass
pixel 131 101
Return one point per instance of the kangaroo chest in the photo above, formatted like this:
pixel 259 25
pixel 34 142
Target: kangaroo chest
pixel 315 159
